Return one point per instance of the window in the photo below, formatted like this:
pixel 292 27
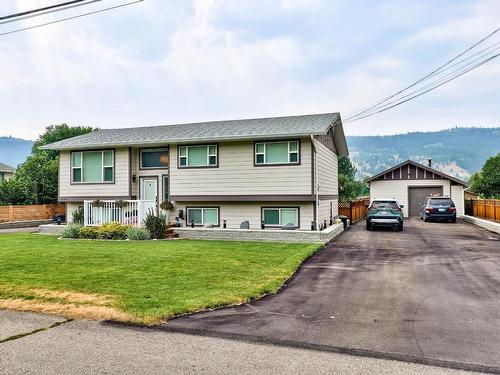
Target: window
pixel 203 215
pixel 165 189
pixel 198 156
pixel 2 176
pixel 280 216
pixel 154 158
pixel 286 152
pixel 92 166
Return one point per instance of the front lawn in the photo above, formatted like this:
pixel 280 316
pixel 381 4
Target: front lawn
pixel 142 282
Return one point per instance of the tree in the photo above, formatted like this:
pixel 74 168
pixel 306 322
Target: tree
pixel 36 180
pixel 38 176
pixel 487 181
pixel 55 133
pixel 349 187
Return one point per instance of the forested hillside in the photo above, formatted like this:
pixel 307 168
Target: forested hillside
pixel 458 151
pixel 14 151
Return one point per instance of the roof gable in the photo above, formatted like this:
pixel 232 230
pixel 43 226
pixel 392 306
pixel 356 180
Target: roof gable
pixel 414 171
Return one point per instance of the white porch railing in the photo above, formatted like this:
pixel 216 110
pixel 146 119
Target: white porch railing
pixel 127 212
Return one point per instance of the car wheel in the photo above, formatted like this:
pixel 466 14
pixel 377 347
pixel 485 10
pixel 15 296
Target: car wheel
pixel 454 220
pixel 426 220
pixel 400 226
pixel 368 225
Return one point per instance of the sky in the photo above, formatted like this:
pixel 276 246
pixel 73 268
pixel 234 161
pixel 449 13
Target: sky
pixel 163 62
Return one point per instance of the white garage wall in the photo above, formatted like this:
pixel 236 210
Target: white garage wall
pixel 457 194
pixel 398 189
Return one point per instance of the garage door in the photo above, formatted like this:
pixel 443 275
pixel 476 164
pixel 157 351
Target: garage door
pixel 417 195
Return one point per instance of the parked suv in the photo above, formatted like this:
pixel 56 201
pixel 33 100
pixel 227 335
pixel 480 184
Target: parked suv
pixel 384 212
pixel 438 208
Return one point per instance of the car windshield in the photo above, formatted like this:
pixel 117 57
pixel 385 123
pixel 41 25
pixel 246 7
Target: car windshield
pixel 385 204
pixel 440 201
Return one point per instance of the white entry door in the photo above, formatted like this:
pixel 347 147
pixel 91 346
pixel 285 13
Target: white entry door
pixel 149 189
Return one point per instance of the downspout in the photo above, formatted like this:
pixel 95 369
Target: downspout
pixel 315 185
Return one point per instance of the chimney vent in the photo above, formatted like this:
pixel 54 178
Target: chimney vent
pixel 429 163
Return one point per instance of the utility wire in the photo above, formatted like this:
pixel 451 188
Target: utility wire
pixel 426 91
pixel 456 72
pixel 71 18
pixel 48 12
pixel 431 74
pixel 40 9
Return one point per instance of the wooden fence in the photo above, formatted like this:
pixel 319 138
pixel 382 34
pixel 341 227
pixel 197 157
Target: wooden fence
pixel 354 210
pixel 488 209
pixel 31 212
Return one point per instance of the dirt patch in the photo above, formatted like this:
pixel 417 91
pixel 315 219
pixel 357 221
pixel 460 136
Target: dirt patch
pixel 70 310
pixel 72 297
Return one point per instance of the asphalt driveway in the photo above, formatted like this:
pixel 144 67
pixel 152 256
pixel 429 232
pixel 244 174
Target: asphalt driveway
pixel 429 294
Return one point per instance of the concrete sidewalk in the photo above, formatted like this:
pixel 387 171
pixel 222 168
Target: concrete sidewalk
pixel 88 347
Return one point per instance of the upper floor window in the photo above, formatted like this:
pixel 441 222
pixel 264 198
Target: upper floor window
pixel 280 152
pixel 198 156
pixel 92 166
pixel 154 158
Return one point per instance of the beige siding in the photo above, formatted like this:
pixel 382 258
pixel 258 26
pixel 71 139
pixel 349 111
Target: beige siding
pixel 237 175
pixel 324 210
pixel 70 208
pixel 457 194
pixel 398 189
pixel 8 175
pixel 236 213
pixel 327 169
pixel 120 188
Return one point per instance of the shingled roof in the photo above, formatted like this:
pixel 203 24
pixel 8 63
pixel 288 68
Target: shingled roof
pixel 259 128
pixel 6 168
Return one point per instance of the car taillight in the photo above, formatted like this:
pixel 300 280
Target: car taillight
pixel 428 209
pixel 398 209
pixel 452 209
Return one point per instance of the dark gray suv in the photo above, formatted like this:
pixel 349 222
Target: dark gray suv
pixel 438 208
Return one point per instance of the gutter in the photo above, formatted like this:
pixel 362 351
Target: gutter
pixel 316 188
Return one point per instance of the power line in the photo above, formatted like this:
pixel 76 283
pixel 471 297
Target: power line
pixel 41 13
pixel 426 91
pixel 456 72
pixel 71 18
pixel 40 9
pixel 431 74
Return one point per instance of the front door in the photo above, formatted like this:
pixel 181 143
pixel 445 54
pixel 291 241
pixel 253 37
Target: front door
pixel 149 189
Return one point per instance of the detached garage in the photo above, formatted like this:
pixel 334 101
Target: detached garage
pixel 410 183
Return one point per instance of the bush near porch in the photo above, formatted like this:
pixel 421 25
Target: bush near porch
pixel 143 282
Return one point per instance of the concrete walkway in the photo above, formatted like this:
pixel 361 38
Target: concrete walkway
pixel 39 344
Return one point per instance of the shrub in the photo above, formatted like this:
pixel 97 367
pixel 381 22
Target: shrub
pixel 89 233
pixel 112 231
pixel 156 224
pixel 71 231
pixel 78 216
pixel 137 234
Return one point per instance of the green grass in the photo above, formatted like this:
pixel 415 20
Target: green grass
pixel 151 280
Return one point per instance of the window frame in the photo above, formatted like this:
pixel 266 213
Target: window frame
pixel 188 221
pixel 207 145
pixel 289 163
pixel 154 149
pixel 81 152
pixel 264 208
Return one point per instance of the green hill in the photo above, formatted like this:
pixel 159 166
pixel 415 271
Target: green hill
pixel 458 151
pixel 14 151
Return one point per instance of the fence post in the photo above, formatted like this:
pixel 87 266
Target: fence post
pixel 11 214
pixel 350 212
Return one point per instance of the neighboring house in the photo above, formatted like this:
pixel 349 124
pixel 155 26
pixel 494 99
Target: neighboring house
pixel 6 172
pixel 468 195
pixel 410 183
pixel 274 171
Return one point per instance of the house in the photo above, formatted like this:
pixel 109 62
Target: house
pixel 6 171
pixel 268 171
pixel 470 195
pixel 410 183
